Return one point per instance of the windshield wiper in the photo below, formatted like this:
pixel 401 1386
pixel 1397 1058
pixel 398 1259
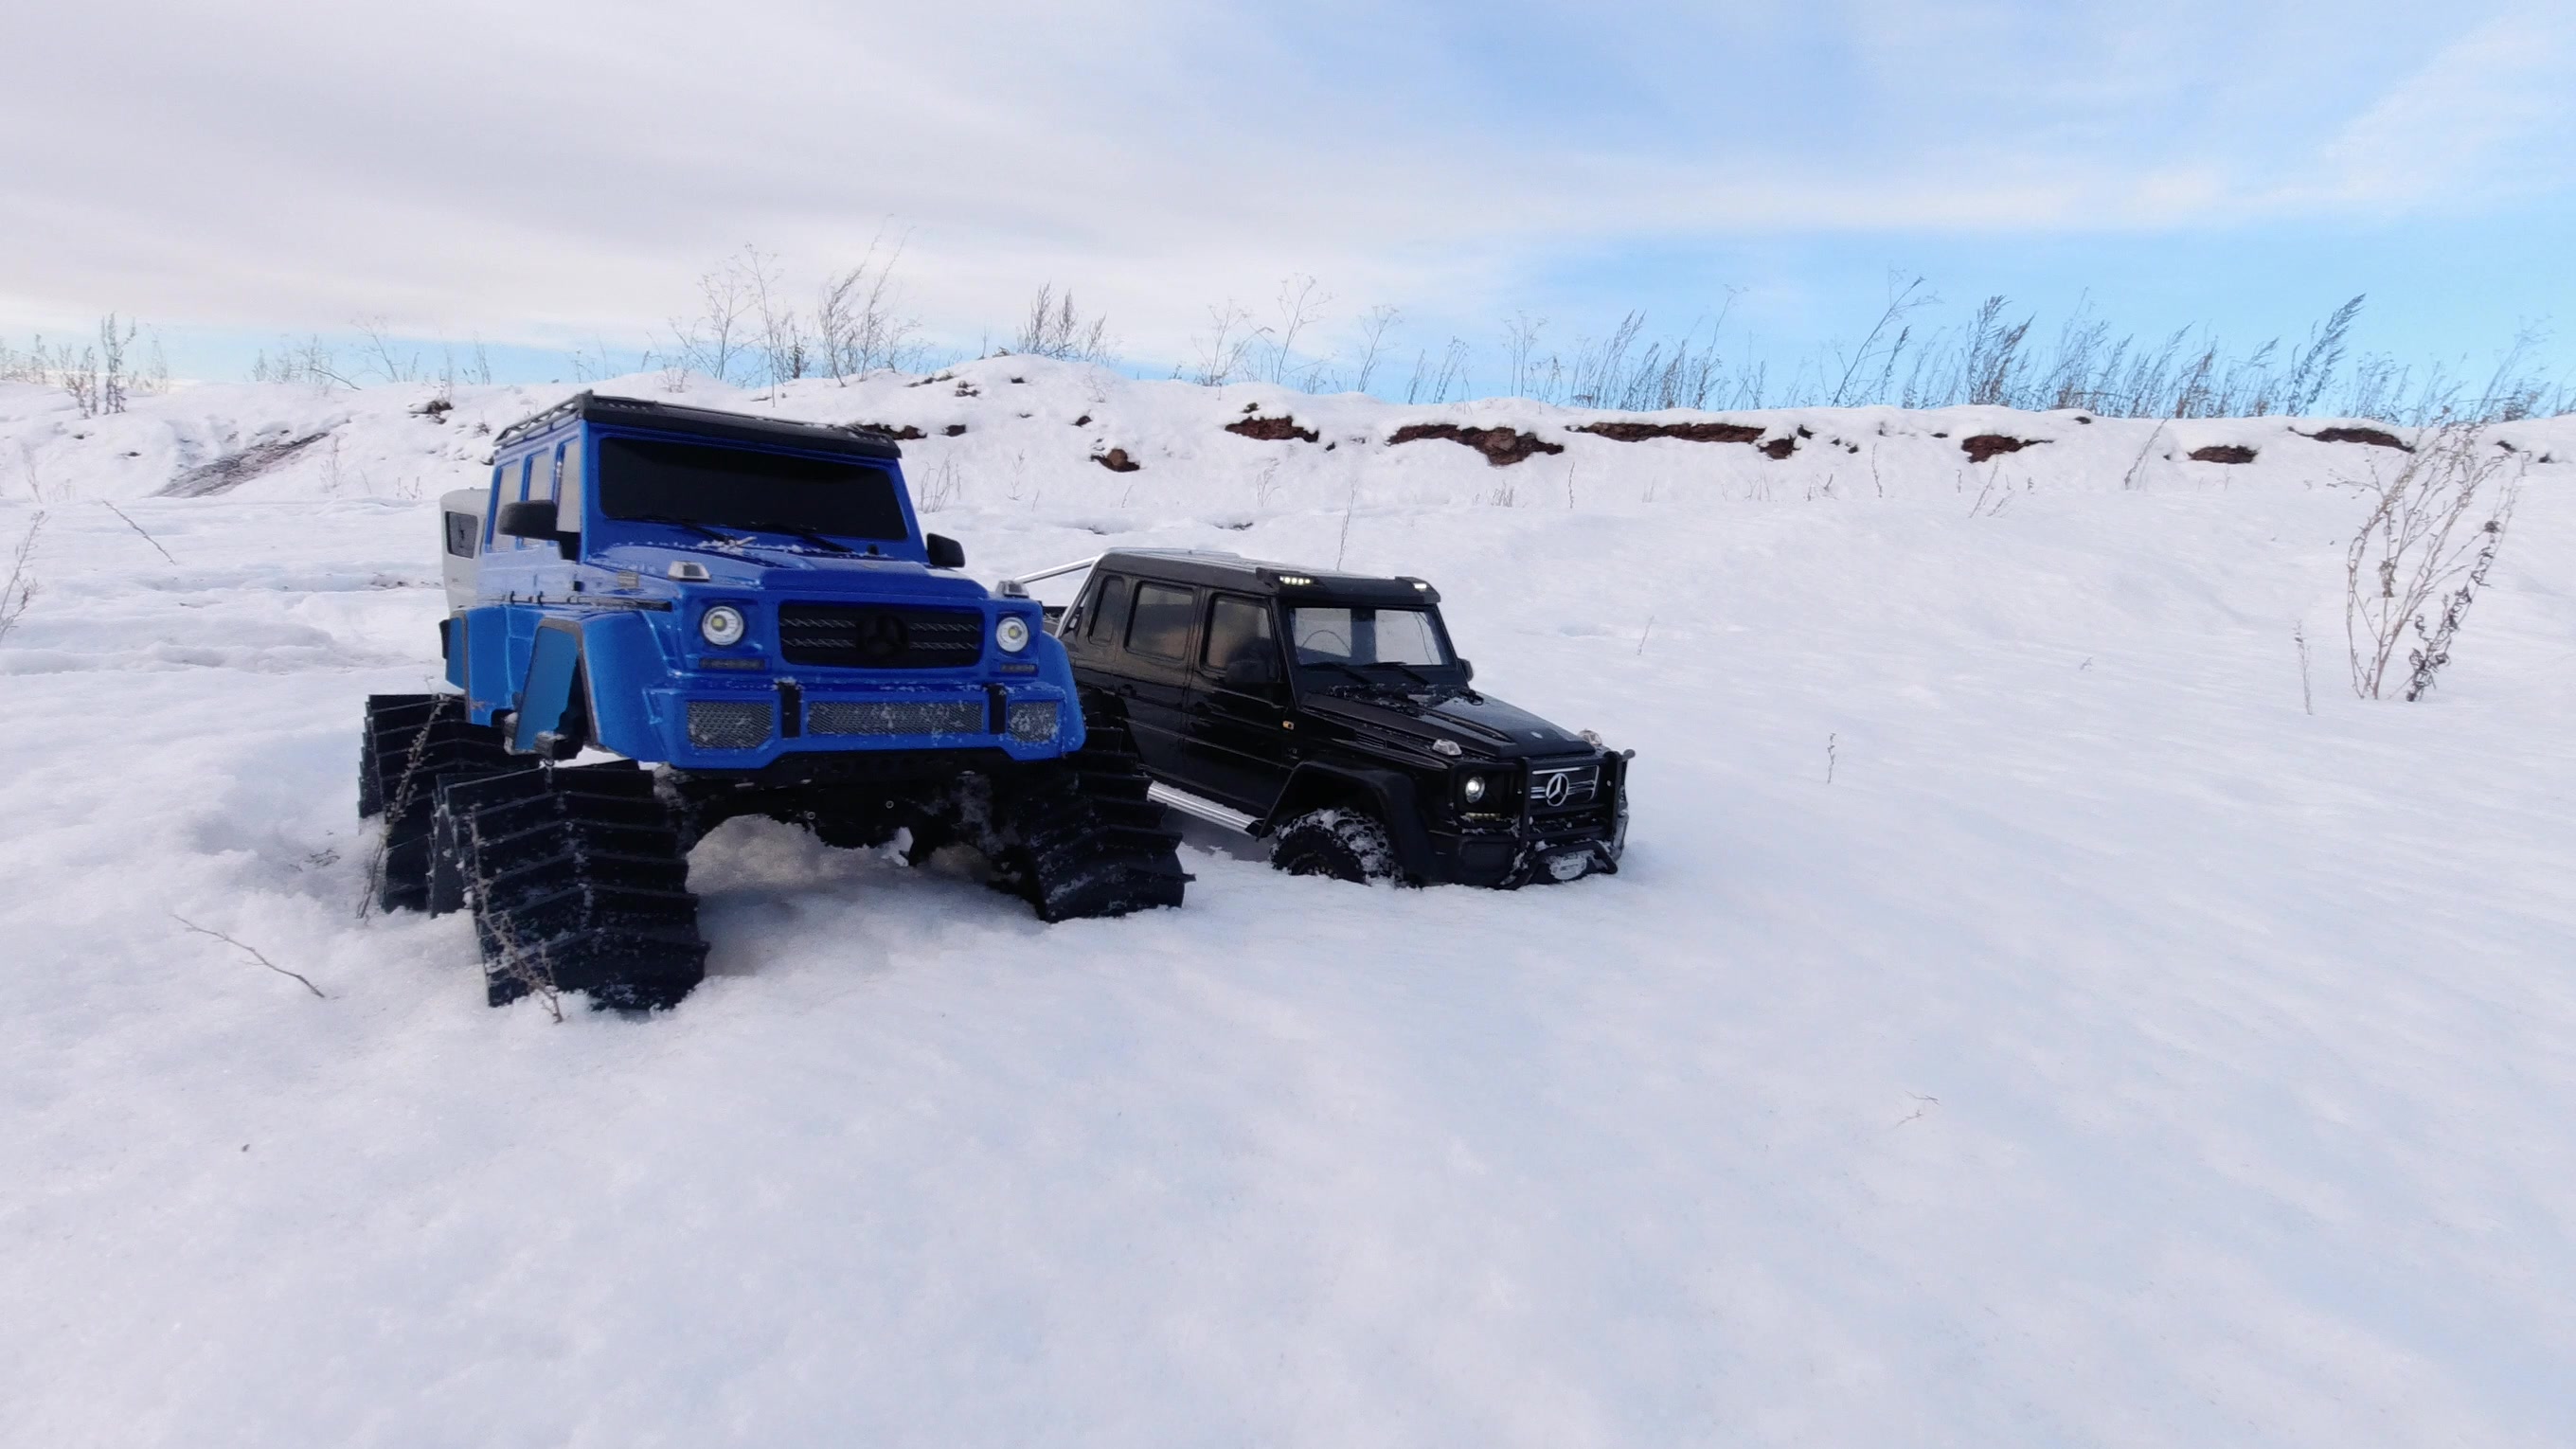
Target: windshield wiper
pixel 692 525
pixel 1418 677
pixel 1362 683
pixel 807 534
pixel 1365 681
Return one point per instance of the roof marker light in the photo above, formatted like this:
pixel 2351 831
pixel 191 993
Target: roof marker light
pixel 1295 580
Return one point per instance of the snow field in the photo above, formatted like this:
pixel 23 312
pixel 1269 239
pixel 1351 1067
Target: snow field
pixel 2112 1053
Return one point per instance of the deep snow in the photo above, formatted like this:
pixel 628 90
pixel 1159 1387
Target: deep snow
pixel 2112 1053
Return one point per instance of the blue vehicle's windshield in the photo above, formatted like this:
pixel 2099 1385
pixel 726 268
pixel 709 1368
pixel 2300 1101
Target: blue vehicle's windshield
pixel 717 487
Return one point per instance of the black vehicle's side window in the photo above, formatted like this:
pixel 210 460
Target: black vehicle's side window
pixel 1161 628
pixel 1238 628
pixel 1109 611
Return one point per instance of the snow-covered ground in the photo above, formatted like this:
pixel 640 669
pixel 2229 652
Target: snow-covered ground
pixel 2111 1053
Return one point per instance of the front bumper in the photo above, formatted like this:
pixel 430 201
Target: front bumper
pixel 718 725
pixel 1537 850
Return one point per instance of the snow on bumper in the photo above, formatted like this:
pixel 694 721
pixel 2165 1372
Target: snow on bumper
pixel 735 729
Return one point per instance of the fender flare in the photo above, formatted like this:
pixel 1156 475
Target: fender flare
pixel 1388 793
pixel 554 666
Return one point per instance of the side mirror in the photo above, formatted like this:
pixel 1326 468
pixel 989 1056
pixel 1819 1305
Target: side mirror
pixel 945 552
pixel 1467 671
pixel 527 518
pixel 1252 671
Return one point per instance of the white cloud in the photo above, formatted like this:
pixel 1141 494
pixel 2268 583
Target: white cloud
pixel 2494 109
pixel 551 172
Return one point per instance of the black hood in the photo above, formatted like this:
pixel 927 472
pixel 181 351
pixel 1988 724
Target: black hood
pixel 1481 724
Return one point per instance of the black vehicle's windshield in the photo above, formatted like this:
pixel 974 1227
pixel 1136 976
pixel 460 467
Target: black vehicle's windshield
pixel 707 486
pixel 1360 636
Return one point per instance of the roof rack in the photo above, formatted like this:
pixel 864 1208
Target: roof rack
pixel 1232 570
pixel 645 411
pixel 1018 588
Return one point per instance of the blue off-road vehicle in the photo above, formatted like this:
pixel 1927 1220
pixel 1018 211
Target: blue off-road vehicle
pixel 749 605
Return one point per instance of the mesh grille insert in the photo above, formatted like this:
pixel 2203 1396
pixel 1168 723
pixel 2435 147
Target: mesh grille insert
pixel 874 717
pixel 1033 720
pixel 728 724
pixel 874 636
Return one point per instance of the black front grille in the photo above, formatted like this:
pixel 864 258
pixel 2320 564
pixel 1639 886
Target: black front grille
pixel 1562 785
pixel 876 636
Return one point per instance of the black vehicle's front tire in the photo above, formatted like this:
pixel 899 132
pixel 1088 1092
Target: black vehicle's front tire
pixel 1340 842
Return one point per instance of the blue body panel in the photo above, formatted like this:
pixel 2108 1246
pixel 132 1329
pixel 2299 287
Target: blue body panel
pixel 612 635
pixel 553 662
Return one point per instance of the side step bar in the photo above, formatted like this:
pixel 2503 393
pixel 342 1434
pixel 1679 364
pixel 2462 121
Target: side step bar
pixel 1204 809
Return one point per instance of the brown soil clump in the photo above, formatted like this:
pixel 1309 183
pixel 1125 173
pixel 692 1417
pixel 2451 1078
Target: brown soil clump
pixel 2373 436
pixel 1272 430
pixel 1501 446
pixel 1687 432
pixel 1986 445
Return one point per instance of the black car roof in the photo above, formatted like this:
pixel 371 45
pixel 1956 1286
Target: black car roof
pixel 1255 576
pixel 664 417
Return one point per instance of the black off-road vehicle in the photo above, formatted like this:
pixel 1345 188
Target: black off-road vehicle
pixel 1329 713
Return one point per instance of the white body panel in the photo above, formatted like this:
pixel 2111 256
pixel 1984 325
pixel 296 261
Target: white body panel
pixel 458 569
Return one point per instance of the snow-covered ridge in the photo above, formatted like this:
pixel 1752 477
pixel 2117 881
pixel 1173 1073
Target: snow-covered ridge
pixel 1010 431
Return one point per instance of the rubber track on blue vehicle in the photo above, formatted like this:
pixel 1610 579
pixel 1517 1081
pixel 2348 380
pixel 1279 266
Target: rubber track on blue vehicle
pixel 578 877
pixel 409 744
pixel 1093 844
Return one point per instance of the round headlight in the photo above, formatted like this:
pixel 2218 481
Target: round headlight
pixel 722 626
pixel 1473 790
pixel 1012 633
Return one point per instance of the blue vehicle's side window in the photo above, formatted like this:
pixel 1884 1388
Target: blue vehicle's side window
pixel 492 514
pixel 527 479
pixel 568 500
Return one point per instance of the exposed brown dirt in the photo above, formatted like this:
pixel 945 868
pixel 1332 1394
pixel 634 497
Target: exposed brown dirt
pixel 1116 461
pixel 2223 453
pixel 953 430
pixel 1272 430
pixel 2373 436
pixel 1687 432
pixel 1779 448
pixel 1501 446
pixel 904 434
pixel 232 470
pixel 1986 445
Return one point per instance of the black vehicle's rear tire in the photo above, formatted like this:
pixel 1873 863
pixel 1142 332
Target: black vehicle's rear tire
pixel 578 877
pixel 411 743
pixel 1079 838
pixel 1341 842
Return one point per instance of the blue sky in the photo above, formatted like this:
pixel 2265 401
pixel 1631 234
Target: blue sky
pixel 546 179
